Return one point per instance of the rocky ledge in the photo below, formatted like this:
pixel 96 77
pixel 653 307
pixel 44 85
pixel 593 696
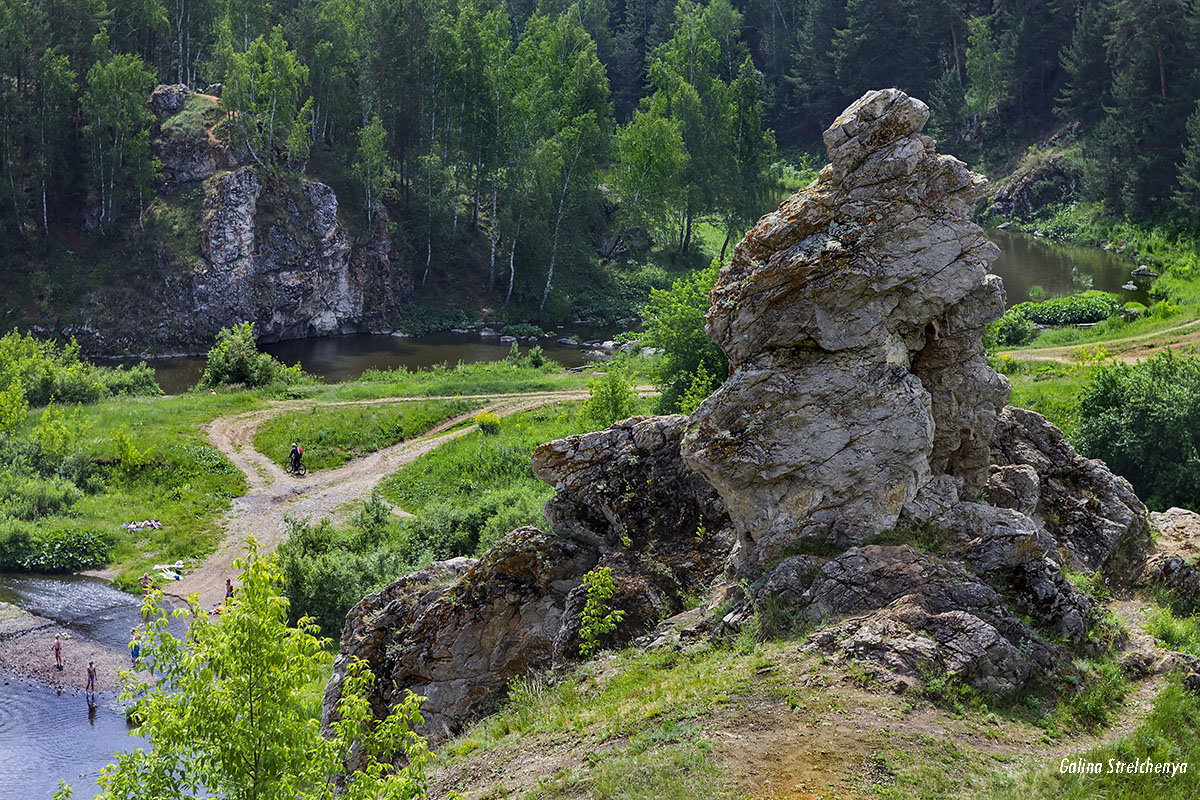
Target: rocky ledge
pixel 858 476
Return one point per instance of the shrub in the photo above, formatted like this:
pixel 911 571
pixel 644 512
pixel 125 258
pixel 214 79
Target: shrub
pixel 1011 330
pixel 25 497
pixel 488 422
pixel 597 619
pixel 1144 420
pixel 45 371
pixel 610 398
pixel 1076 309
pixel 522 330
pixel 422 320
pixel 235 359
pixel 67 549
pixel 13 407
pixel 675 324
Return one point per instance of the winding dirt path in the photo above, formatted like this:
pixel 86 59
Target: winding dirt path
pixel 273 495
pixel 1127 348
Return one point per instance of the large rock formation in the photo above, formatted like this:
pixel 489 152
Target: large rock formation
pixel 246 244
pixel 861 409
pixel 881 492
pixel 852 318
pixel 459 632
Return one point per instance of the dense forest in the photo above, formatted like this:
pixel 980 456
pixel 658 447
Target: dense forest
pixel 520 129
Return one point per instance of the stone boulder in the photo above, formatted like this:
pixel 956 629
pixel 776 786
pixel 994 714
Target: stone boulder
pixel 459 632
pixel 167 99
pixel 852 319
pixel 1094 515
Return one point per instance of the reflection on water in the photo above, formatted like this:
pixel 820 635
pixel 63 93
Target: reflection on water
pixel 46 735
pixel 1027 261
pixel 340 358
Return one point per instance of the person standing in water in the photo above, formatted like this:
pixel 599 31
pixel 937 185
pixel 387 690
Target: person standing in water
pixel 58 652
pixel 91 681
pixel 135 647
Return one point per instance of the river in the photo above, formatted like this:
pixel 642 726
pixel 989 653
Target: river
pixel 48 735
pixel 45 736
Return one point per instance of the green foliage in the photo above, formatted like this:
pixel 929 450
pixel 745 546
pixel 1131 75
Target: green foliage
pixel 118 134
pixel 598 618
pixel 13 407
pixel 334 435
pixel 1011 330
pixel 1090 306
pixel 235 360
pixel 1143 420
pixel 372 169
pixel 327 570
pixel 926 536
pixel 985 77
pixel 264 90
pixel 674 322
pixel 67 549
pixel 610 398
pixel 703 384
pixel 488 422
pixel 423 320
pixel 225 710
pixel 46 371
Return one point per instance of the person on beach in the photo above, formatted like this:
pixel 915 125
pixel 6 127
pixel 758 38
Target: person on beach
pixel 58 652
pixel 135 647
pixel 228 590
pixel 91 681
pixel 145 581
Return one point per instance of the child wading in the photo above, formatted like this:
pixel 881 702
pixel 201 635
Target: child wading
pixel 91 681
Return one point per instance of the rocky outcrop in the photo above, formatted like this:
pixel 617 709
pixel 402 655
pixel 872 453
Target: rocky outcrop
pixel 1094 516
pixel 851 318
pixel 167 99
pixel 259 246
pixel 1174 568
pixel 861 409
pixel 459 632
pixel 881 493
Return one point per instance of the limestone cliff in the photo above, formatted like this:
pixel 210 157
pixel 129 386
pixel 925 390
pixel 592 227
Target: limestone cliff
pixel 260 246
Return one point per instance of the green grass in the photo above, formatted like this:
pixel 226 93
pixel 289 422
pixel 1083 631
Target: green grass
pixel 633 713
pixel 1178 632
pixel 192 121
pixel 1050 389
pixel 186 484
pixel 465 470
pixel 1171 733
pixel 333 435
pixel 496 377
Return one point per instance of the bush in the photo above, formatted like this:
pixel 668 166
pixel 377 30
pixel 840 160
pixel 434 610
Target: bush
pixel 488 422
pixel 67 549
pixel 523 330
pixel 29 498
pixel 1144 420
pixel 46 372
pixel 1011 330
pixel 1076 309
pixel 675 324
pixel 235 359
pixel 610 398
pixel 13 407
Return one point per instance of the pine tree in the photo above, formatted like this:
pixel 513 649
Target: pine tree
pixel 1188 194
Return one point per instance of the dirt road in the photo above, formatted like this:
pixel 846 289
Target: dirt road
pixel 273 494
pixel 1128 349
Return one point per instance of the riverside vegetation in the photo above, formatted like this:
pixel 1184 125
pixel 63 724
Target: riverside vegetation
pixel 469 491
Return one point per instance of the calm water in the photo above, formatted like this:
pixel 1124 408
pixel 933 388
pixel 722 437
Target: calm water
pixel 1026 261
pixel 339 358
pixel 46 737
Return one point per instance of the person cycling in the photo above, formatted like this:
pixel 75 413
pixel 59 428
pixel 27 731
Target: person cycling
pixel 297 452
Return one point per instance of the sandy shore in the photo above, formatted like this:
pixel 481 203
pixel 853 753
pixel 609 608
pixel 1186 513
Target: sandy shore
pixel 27 650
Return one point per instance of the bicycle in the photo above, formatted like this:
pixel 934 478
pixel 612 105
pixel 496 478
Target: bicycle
pixel 295 468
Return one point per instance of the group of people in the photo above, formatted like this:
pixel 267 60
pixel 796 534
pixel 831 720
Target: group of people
pixel 90 688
